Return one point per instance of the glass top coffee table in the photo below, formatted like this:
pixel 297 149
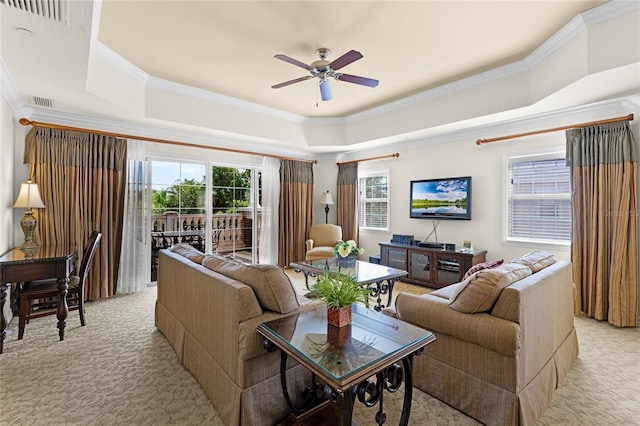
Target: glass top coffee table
pixel 379 279
pixel 360 360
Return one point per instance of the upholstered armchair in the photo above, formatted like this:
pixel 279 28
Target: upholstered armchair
pixel 322 239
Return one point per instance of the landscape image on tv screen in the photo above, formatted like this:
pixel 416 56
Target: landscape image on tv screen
pixel 441 198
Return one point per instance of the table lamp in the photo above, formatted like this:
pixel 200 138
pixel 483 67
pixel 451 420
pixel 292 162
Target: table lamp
pixel 327 200
pixel 29 198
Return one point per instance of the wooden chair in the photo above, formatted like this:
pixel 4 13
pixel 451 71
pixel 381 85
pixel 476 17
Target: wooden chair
pixel 40 298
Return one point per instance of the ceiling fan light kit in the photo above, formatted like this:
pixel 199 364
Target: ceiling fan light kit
pixel 324 69
pixel 325 90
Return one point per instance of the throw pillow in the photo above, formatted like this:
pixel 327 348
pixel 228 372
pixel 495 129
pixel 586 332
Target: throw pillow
pixel 479 292
pixel 269 283
pixel 536 260
pixel 188 251
pixel 480 266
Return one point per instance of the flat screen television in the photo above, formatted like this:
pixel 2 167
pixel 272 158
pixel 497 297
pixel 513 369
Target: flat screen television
pixel 448 198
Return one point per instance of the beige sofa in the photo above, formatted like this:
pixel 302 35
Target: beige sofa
pixel 208 308
pixel 505 339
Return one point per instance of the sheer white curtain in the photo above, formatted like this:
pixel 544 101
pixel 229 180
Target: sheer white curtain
pixel 135 259
pixel 268 242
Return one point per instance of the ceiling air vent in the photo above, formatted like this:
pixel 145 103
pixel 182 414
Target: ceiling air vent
pixel 55 10
pixel 43 102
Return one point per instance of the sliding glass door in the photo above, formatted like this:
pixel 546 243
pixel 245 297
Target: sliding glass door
pixel 227 224
pixel 232 212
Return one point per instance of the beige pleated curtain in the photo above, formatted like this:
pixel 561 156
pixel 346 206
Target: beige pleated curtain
pixel 295 211
pixel 82 181
pixel 348 200
pixel 604 249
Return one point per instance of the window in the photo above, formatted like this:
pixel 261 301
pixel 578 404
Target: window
pixel 178 188
pixel 538 199
pixel 374 201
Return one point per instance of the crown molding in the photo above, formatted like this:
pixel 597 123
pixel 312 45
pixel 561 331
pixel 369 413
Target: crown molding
pixel 610 10
pixel 118 62
pixel 207 139
pixel 186 90
pixel 439 134
pixel 558 118
pixel 96 14
pixel 595 111
pixel 556 41
pixel 114 59
pixel 445 89
pixel 579 23
pixel 632 102
pixel 9 91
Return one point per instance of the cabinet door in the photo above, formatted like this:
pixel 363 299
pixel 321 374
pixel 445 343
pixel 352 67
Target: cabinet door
pixel 420 265
pixel 397 258
pixel 447 269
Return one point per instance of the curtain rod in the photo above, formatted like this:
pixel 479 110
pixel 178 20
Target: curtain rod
pixel 555 129
pixel 394 155
pixel 26 122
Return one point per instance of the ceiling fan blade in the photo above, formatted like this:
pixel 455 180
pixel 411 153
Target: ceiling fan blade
pixel 286 83
pixel 357 79
pixel 346 59
pixel 293 61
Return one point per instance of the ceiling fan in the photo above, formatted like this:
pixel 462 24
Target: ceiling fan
pixel 324 69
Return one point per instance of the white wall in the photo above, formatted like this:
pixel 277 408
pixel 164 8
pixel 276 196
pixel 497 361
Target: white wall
pixel 7 195
pixel 173 152
pixel 325 177
pixel 461 158
pixel 20 175
pixel 6 176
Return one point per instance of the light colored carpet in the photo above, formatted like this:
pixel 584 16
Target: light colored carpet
pixel 119 370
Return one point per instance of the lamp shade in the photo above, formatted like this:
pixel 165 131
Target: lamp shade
pixel 326 198
pixel 29 196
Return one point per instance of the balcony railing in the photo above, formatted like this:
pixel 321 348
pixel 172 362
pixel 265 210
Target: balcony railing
pixel 231 232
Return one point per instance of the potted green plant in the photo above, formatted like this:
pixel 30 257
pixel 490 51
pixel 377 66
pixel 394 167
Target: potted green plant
pixel 346 253
pixel 339 292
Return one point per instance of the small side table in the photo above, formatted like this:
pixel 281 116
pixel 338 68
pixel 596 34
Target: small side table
pixel 362 360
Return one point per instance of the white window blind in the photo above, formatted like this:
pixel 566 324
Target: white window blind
pixel 539 200
pixel 374 201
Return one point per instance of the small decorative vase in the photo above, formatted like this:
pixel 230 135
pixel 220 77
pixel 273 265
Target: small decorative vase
pixel 346 262
pixel 338 337
pixel 339 317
